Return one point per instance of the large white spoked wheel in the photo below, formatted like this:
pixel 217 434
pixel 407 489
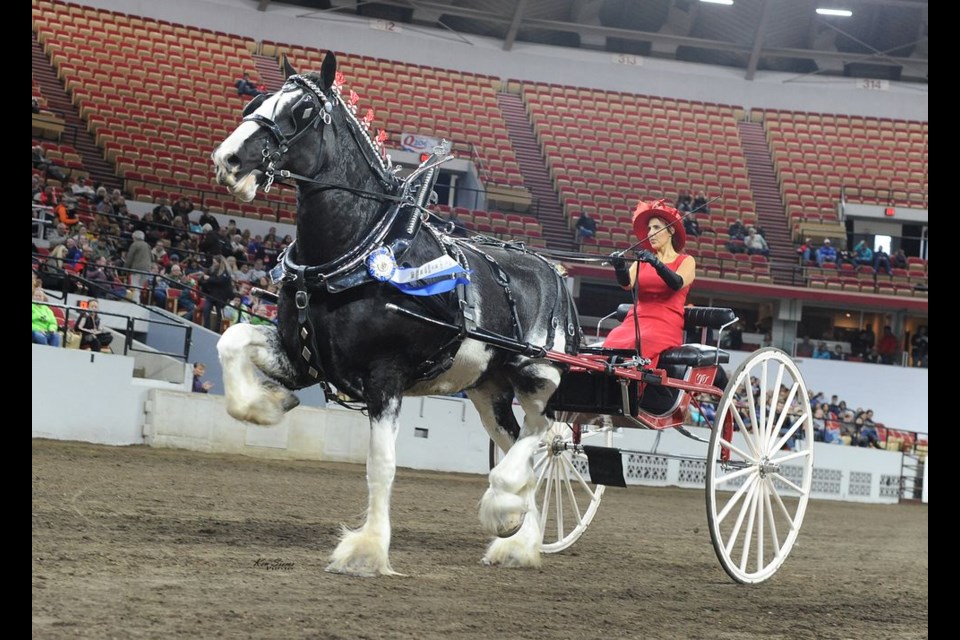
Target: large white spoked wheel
pixel 760 466
pixel 566 499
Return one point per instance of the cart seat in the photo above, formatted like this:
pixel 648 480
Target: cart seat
pixel 691 355
pixel 676 361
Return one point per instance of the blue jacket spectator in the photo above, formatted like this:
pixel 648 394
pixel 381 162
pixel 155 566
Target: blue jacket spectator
pixel 826 253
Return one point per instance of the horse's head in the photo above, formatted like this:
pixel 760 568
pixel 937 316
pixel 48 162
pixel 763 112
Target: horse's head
pixel 283 130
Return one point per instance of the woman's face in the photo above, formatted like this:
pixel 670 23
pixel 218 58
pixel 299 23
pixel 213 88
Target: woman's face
pixel 656 235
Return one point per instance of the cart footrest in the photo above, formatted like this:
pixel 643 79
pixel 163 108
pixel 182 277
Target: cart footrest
pixel 606 466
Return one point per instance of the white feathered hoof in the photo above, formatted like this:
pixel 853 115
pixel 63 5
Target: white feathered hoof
pixel 520 551
pixel 362 555
pixel 501 513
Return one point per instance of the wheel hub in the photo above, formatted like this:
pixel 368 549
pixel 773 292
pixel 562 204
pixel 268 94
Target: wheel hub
pixel 767 466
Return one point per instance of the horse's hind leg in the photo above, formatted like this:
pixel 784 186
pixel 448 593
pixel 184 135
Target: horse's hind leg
pixel 244 348
pixel 365 551
pixel 509 503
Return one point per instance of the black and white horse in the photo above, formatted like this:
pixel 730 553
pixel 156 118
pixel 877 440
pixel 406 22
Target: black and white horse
pixel 362 307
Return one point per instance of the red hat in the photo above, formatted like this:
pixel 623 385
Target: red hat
pixel 657 209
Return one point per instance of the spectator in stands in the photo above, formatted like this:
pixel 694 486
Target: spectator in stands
pixel 881 259
pixel 119 203
pixel 57 234
pixel 67 211
pixel 92 334
pixel 838 353
pixel 684 202
pixel 691 225
pixel 862 254
pixel 806 251
pixel 873 356
pixel 207 218
pixel 45 328
pixel 199 386
pixel 217 285
pixel 868 436
pixel 163 213
pixel 586 227
pixel 186 284
pixel 826 253
pixel 700 204
pixel 888 346
pixel 138 259
pixel 755 243
pixel 866 339
pixel 36 105
pixel 257 272
pixel 737 233
pixel 246 87
pixel 210 244
pixel 918 346
pixel 833 407
pixel 821 352
pixel 82 189
pixel 50 170
pixel 270 254
pixel 899 259
pixel 182 209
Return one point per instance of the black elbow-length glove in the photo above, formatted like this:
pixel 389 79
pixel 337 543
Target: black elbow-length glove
pixel 620 269
pixel 672 278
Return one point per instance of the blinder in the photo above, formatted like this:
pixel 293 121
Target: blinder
pixel 254 104
pixel 306 113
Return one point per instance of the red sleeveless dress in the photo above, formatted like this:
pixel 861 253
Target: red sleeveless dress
pixel 660 311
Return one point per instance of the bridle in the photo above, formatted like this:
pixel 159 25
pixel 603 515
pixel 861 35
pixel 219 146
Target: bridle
pixel 313 108
pixel 313 115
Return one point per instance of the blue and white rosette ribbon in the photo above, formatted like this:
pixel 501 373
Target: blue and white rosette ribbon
pixel 437 276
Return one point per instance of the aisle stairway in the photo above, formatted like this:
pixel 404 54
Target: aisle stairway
pixel 76 133
pixel 268 67
pixel 766 194
pixel 556 233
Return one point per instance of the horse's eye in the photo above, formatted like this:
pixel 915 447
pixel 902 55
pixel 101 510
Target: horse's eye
pixel 254 104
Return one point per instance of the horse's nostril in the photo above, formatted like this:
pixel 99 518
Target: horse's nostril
pixel 233 161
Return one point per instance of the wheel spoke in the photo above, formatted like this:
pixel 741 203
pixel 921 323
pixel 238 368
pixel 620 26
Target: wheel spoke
pixel 743 454
pixel 782 416
pixel 755 455
pixel 760 522
pixel 739 522
pixel 546 498
pixel 768 509
pixel 748 536
pixel 735 498
pixel 558 496
pixel 736 474
pixel 787 482
pixel 793 455
pixel 776 395
pixel 752 433
pixel 784 511
pixel 570 493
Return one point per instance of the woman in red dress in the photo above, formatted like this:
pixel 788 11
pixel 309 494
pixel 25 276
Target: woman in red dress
pixel 662 275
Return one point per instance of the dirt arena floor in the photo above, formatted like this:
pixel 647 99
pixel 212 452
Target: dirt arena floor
pixel 136 542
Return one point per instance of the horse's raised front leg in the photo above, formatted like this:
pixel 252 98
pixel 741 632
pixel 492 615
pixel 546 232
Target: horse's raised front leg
pixel 365 551
pixel 244 348
pixel 508 507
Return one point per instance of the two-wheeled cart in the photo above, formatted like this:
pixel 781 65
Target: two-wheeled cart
pixel 759 461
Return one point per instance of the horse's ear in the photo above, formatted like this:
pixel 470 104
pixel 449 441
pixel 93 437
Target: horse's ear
pixel 328 71
pixel 288 69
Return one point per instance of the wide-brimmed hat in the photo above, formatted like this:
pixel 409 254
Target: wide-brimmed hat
pixel 658 209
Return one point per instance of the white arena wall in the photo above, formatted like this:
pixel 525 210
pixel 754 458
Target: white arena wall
pixel 104 403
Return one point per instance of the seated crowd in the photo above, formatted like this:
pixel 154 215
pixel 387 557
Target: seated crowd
pixel 98 248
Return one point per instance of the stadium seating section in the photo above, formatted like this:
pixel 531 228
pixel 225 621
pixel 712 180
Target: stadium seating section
pixel 159 96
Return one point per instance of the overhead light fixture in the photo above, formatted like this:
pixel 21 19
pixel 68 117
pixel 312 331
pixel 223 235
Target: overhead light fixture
pixel 726 2
pixel 842 13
